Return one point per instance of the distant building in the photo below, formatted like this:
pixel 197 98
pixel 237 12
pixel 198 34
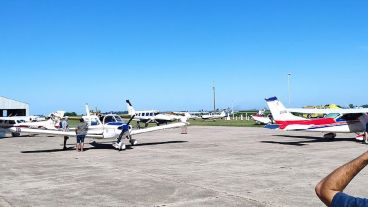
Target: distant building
pixel 10 107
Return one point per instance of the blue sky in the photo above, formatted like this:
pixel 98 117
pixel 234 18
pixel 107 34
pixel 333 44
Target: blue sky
pixel 166 54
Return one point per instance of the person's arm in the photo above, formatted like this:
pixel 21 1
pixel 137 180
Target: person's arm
pixel 336 182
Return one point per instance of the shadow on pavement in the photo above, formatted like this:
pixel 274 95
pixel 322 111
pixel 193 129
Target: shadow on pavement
pixel 309 139
pixel 101 145
pixel 55 150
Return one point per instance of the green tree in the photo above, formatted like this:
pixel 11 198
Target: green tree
pixel 70 114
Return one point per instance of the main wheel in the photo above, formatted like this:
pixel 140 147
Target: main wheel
pixel 133 142
pixel 330 136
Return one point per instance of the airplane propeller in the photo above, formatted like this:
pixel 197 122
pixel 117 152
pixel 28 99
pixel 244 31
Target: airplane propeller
pixel 131 118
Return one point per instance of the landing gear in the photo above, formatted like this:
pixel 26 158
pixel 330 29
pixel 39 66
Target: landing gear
pixel 330 136
pixel 133 141
pixel 119 145
pixel 65 140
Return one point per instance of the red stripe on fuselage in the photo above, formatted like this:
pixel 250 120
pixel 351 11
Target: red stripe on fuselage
pixel 321 121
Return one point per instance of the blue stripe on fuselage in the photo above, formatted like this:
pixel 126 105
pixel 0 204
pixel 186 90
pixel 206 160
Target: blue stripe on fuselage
pixel 115 123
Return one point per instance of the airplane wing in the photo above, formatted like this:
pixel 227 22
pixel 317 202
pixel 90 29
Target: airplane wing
pixel 328 111
pixel 50 132
pixel 90 134
pixel 156 128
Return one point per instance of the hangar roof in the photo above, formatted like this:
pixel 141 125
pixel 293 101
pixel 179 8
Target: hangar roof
pixel 6 103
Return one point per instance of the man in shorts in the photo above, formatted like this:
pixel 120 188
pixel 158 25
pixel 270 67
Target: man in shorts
pixel 81 131
pixel 65 128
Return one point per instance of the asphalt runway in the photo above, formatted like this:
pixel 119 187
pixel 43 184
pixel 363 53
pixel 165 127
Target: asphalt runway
pixel 209 166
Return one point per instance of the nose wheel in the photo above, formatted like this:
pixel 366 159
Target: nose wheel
pixel 119 146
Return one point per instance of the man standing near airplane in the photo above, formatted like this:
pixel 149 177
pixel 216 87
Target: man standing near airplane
pixel 81 132
pixel 65 128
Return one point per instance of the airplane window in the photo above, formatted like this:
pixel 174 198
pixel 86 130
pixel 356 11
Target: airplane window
pixel 109 119
pixel 350 117
pixel 94 122
pixel 332 115
pixel 118 118
pixel 11 122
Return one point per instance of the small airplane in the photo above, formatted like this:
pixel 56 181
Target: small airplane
pixel 151 116
pixel 103 127
pixel 29 122
pixel 335 121
pixel 53 122
pixel 260 118
pixel 213 116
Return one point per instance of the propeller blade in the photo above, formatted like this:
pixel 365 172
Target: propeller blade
pixel 131 118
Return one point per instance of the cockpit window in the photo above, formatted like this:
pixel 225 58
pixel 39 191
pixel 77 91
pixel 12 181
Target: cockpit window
pixel 118 118
pixel 109 119
pixel 332 115
pixel 351 117
pixel 94 122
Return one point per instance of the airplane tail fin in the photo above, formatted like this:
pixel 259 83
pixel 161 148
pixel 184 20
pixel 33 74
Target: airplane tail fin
pixel 279 112
pixel 88 113
pixel 57 115
pixel 223 114
pixel 187 115
pixel 131 110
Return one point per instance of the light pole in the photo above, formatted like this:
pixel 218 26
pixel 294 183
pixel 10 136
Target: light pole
pixel 214 97
pixel 289 74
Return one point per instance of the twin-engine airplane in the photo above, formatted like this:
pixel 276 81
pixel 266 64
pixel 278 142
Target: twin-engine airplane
pixel 213 116
pixel 151 116
pixel 335 121
pixel 108 126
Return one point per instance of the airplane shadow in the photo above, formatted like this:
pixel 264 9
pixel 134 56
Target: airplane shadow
pixel 11 137
pixel 310 139
pixel 55 150
pixel 159 143
pixel 101 145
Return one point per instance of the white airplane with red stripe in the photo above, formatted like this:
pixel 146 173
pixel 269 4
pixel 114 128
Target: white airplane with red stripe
pixel 335 121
